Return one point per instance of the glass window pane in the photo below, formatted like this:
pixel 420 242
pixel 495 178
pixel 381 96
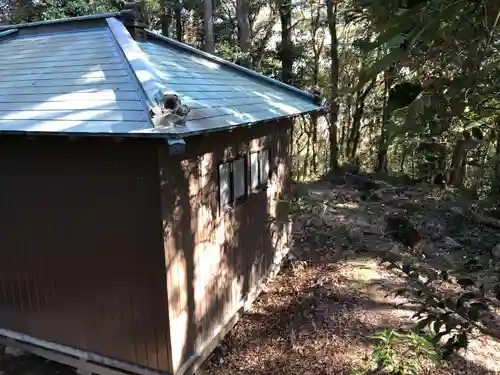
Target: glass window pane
pixel 264 166
pixel 254 170
pixel 224 184
pixel 239 178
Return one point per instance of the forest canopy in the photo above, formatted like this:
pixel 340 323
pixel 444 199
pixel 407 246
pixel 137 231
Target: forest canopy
pixel 409 86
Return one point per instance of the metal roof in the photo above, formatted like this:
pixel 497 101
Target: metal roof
pixel 98 80
pixel 68 82
pixel 219 95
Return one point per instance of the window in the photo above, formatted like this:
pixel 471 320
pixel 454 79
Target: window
pixel 232 182
pixel 239 180
pixel 225 184
pixel 240 175
pixel 264 166
pixel 254 170
pixel 259 169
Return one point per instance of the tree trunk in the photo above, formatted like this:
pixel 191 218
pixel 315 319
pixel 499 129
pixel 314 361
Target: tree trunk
pixel 314 140
pixel 381 163
pixel 331 7
pixel 178 20
pixel 495 189
pixel 166 17
pixel 346 120
pixel 242 16
pixel 208 27
pixel 355 135
pixel 285 11
pixel 314 116
pixel 308 151
pixel 402 162
pixel 458 163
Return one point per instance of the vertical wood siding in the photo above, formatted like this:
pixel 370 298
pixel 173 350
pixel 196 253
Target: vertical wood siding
pixel 81 255
pixel 213 259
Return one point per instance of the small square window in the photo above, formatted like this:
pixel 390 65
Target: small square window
pixel 259 169
pixel 239 180
pixel 254 170
pixel 225 184
pixel 232 182
pixel 264 166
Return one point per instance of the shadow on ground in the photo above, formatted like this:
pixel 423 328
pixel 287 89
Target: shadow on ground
pixel 317 315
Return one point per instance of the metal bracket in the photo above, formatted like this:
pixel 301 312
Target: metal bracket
pixel 176 146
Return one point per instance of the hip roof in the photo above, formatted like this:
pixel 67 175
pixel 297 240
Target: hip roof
pixel 87 75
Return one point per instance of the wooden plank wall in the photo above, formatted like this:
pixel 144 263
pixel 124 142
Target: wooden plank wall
pixel 213 259
pixel 81 255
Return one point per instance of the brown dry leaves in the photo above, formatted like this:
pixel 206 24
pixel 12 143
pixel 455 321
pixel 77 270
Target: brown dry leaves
pixel 317 314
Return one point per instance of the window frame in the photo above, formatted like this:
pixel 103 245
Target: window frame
pixel 261 185
pixel 242 198
pixel 233 201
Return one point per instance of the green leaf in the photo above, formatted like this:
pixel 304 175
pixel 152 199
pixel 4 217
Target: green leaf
pixel 381 64
pixel 397 26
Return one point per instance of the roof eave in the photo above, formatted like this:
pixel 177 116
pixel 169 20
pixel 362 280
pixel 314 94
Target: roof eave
pixel 58 21
pixel 190 133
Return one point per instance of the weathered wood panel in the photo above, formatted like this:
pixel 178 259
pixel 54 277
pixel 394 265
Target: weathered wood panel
pixel 81 255
pixel 215 259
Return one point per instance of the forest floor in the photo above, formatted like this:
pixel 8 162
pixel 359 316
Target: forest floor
pixel 317 315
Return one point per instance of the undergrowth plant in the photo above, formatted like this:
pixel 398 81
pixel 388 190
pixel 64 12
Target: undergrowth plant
pixel 450 319
pixel 400 353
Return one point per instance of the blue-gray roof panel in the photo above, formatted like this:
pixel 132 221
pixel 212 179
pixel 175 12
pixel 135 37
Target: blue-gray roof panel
pixel 69 82
pixel 100 80
pixel 218 95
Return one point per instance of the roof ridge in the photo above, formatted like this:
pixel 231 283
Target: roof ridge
pixel 147 75
pixel 138 61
